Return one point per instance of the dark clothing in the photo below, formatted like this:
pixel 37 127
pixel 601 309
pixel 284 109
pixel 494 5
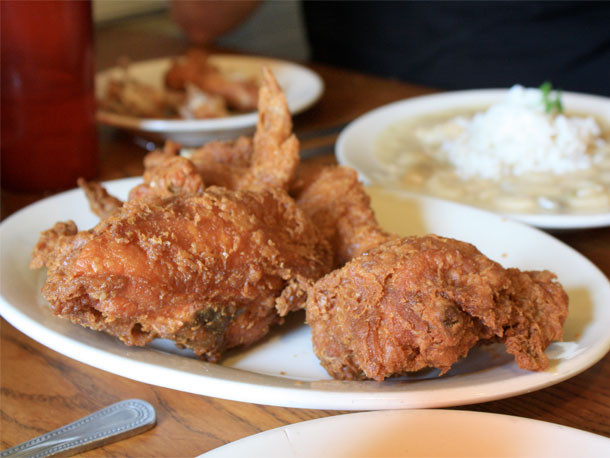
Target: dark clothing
pixel 462 45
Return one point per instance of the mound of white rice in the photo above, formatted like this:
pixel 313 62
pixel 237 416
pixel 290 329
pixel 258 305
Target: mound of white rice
pixel 514 137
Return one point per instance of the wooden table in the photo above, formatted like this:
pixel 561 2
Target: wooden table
pixel 42 390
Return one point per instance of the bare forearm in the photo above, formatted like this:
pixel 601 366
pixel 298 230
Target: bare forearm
pixel 205 20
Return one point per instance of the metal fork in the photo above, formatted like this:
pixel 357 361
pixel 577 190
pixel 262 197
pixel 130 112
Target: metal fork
pixel 116 422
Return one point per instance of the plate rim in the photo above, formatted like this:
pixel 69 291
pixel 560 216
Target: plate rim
pixel 539 220
pixel 239 121
pixel 245 386
pixel 303 429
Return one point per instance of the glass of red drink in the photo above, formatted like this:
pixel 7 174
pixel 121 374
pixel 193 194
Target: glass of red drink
pixel 49 136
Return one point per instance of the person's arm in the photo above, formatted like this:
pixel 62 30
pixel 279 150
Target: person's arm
pixel 205 20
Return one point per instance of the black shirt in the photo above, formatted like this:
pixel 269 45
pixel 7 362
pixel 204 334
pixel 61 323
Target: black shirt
pixel 462 45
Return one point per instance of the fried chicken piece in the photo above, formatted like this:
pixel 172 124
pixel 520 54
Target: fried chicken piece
pixel 276 148
pixel 52 243
pixel 195 69
pixel 339 207
pixel 169 175
pixel 101 203
pixel 421 302
pixel 211 271
pixel 236 152
pixel 402 304
pixel 268 160
pixel 537 319
pixel 223 163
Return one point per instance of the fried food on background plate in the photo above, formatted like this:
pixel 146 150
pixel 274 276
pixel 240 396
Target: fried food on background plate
pixel 195 69
pixel 211 271
pixel 194 89
pixel 128 96
pixel 196 104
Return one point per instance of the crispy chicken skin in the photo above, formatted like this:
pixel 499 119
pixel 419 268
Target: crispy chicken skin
pixel 236 152
pixel 101 203
pixel 268 160
pixel 396 305
pixel 276 148
pixel 421 302
pixel 53 243
pixel 167 175
pixel 210 271
pixel 340 208
pixel 224 163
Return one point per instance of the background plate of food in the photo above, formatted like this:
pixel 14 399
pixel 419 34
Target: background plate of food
pixel 533 154
pixel 196 98
pixel 282 369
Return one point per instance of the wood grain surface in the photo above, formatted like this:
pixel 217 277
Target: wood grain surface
pixel 42 390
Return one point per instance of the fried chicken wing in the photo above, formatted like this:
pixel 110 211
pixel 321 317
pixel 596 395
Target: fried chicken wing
pixel 211 271
pixel 101 203
pixel 267 160
pixel 276 149
pixel 421 302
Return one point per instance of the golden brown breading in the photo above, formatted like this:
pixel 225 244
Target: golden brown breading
pixel 268 160
pixel 540 308
pixel 340 208
pixel 276 148
pixel 236 152
pixel 170 175
pixel 426 301
pixel 101 203
pixel 210 271
pixel 52 243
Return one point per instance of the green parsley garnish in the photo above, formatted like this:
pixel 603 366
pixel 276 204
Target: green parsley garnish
pixel 551 105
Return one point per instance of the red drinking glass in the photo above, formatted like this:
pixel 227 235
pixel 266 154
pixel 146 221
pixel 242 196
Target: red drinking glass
pixel 49 136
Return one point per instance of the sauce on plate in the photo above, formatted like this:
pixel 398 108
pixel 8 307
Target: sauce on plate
pixel 416 166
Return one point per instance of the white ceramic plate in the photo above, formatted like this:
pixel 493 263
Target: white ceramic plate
pixel 355 144
pixel 301 86
pixel 418 433
pixel 282 369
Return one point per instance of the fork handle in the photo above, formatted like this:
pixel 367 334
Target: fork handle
pixel 118 421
